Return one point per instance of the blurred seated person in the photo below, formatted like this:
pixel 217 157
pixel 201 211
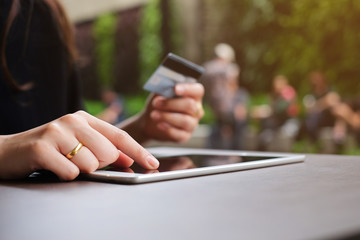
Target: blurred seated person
pixel 280 113
pixel 230 111
pixel 114 112
pixel 318 109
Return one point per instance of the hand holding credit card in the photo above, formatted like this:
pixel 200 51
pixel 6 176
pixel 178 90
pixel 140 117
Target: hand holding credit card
pixel 171 71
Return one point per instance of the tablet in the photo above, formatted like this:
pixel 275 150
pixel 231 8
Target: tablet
pixel 178 163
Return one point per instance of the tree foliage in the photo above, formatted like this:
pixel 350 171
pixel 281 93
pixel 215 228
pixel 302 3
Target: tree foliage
pixel 159 34
pixel 150 44
pixel 292 38
pixel 104 33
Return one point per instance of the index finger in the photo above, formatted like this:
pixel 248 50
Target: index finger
pixel 193 90
pixel 123 141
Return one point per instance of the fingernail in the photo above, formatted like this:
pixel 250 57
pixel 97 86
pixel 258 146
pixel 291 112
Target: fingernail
pixel 180 90
pixel 153 162
pixel 155 115
pixel 163 126
pixel 159 103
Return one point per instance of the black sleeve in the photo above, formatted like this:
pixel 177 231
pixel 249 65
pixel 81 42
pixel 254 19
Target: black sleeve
pixel 38 57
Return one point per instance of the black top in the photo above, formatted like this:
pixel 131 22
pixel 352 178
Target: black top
pixel 42 60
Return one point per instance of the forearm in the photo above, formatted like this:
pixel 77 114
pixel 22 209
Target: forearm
pixel 352 120
pixel 2 139
pixel 355 121
pixel 14 157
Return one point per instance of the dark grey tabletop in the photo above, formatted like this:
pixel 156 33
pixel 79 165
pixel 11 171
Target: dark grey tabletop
pixel 316 199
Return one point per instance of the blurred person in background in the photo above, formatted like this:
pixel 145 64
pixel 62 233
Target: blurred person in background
pixel 234 131
pixel 114 112
pixel 279 115
pixel 226 99
pixel 41 126
pixel 214 77
pixel 318 110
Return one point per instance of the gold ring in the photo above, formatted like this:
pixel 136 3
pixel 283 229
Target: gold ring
pixel 73 152
pixel 198 110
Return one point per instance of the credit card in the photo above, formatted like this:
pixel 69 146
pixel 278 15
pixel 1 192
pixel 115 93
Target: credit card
pixel 172 70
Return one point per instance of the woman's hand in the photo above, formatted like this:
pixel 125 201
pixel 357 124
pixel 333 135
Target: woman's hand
pixel 46 147
pixel 169 119
pixel 175 119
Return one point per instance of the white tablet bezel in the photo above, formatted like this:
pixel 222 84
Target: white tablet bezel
pixel 132 178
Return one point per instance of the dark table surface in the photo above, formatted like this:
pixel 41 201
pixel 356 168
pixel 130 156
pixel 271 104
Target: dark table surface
pixel 317 199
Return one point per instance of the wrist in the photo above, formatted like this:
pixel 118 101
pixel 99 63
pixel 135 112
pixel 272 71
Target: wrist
pixel 3 168
pixel 2 140
pixel 135 127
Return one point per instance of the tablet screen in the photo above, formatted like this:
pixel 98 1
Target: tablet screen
pixel 191 161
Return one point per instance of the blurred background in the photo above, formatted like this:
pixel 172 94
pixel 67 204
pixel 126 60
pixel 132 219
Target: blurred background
pixel 121 42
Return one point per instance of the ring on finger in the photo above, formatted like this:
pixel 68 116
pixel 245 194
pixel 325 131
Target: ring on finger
pixel 73 152
pixel 199 109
